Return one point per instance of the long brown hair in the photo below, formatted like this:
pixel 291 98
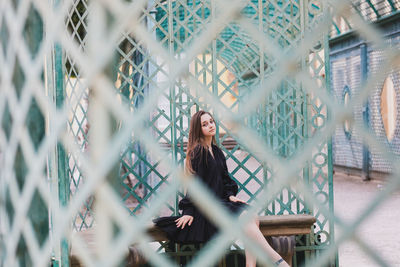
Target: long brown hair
pixel 196 137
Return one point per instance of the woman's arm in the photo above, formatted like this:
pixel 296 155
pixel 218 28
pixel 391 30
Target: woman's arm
pixel 236 199
pixel 186 204
pixel 230 186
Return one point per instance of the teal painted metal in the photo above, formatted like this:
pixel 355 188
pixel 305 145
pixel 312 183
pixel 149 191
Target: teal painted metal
pixel 364 76
pixel 55 263
pixel 61 155
pixel 287 118
pixel 363 9
pixel 392 5
pixel 172 92
pixel 335 261
pixel 62 164
pixel 283 118
pixel 373 8
pixel 240 53
pixel 214 69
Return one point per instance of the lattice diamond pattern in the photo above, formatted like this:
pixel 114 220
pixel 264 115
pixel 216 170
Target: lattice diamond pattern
pixel 24 124
pixel 134 139
pixel 4 33
pixel 77 21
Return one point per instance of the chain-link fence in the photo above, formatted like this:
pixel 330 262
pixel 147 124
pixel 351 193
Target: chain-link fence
pixel 95 103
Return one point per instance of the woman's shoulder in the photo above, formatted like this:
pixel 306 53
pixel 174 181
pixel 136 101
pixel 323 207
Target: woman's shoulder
pixel 218 149
pixel 215 146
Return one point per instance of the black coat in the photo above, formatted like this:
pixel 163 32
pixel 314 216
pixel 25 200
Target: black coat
pixel 213 172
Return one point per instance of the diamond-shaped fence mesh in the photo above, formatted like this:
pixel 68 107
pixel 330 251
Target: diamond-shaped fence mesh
pixel 95 103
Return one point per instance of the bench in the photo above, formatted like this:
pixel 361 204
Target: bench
pixel 279 230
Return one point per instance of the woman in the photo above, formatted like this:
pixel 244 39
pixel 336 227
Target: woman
pixel 207 161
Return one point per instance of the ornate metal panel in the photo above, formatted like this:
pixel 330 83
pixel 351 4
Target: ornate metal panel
pixel 95 103
pixel 230 67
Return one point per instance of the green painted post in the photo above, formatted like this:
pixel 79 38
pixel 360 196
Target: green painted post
pixel 61 156
pixel 335 261
pixel 372 6
pixel 214 69
pixel 306 111
pixel 364 75
pixel 62 165
pixel 263 111
pixel 172 90
pixel 393 7
pixel 282 127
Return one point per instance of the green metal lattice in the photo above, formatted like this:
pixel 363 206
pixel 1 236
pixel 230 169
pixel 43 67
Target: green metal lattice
pixel 96 135
pixel 281 120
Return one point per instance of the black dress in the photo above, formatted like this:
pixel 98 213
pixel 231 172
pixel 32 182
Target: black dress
pixel 214 173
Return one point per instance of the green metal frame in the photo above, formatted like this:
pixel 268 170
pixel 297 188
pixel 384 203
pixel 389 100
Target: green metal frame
pixel 361 9
pixel 285 120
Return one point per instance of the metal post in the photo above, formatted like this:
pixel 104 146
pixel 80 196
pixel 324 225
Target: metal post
pixel 335 261
pixel 61 165
pixel 172 91
pixel 61 156
pixel 214 70
pixel 364 74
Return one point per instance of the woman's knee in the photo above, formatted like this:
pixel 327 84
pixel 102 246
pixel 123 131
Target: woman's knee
pixel 255 220
pixel 255 223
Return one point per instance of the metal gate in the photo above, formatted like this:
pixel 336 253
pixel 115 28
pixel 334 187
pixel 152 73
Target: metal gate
pixel 95 103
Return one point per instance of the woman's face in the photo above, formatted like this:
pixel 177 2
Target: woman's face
pixel 207 125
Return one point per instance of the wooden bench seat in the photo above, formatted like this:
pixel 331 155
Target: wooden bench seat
pixel 270 226
pixel 285 225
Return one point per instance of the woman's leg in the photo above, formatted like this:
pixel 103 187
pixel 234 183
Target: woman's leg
pixel 250 259
pixel 253 230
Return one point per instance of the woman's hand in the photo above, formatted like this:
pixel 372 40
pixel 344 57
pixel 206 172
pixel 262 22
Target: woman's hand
pixel 235 199
pixel 182 221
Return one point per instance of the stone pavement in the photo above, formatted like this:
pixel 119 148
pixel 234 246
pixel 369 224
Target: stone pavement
pixel 381 229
